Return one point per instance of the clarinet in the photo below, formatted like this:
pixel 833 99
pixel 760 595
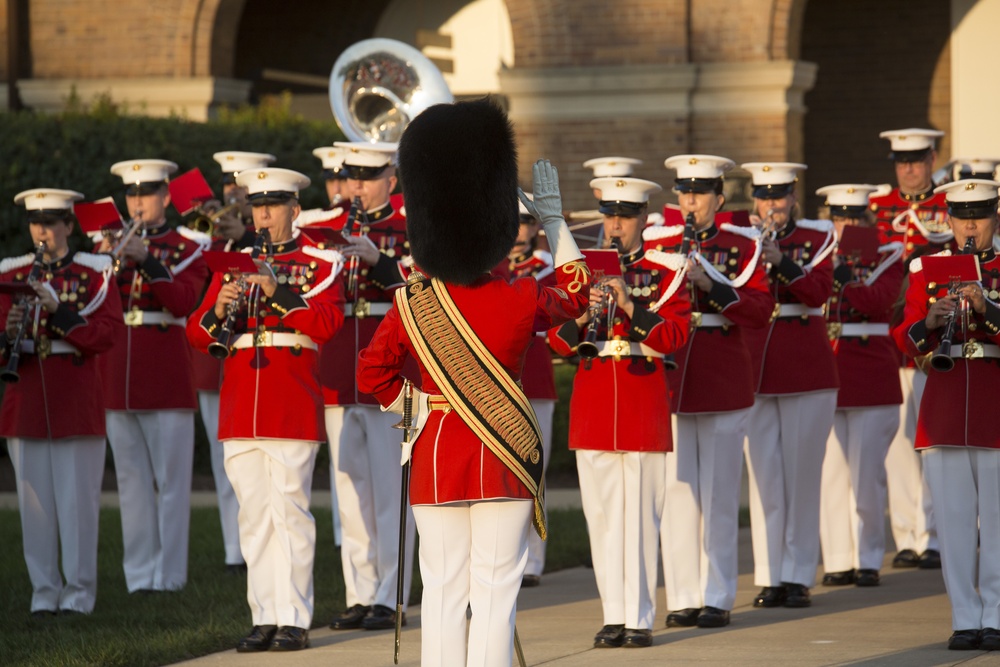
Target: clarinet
pixel 687 240
pixel 222 347
pixel 10 373
pixel 352 266
pixel 941 360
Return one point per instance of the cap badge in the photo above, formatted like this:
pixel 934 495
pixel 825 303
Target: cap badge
pixel 41 195
pixel 850 191
pixel 970 186
pixel 230 158
pixel 693 160
pixel 262 175
pixel 355 150
pixel 136 167
pixel 766 167
pixel 619 184
pixel 902 137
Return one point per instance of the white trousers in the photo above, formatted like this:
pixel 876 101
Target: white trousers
pixel 700 528
pixel 786 444
pixel 622 496
pixel 229 509
pixel 364 457
pixel 965 485
pixel 273 481
pixel 59 497
pixel 471 555
pixel 544 409
pixel 153 454
pixel 910 511
pixel 853 496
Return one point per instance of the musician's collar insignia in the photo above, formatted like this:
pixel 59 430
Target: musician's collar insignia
pixel 786 230
pixel 707 234
pixel 287 246
pixel 157 230
pixel 628 260
pixel 59 263
pixel 381 213
pixel 987 255
pixel 917 197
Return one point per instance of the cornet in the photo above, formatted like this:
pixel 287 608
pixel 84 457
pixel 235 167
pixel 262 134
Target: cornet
pixel 205 220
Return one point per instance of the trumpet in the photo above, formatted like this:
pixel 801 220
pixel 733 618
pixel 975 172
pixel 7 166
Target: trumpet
pixel 587 348
pixel 941 360
pixel 123 236
pixel 222 346
pixel 205 220
pixel 10 373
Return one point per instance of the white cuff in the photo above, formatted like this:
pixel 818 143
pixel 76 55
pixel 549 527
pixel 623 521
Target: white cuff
pixel 561 243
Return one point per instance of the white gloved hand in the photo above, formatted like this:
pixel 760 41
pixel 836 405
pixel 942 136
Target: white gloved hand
pixel 546 207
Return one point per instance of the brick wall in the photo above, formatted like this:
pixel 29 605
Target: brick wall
pixel 882 66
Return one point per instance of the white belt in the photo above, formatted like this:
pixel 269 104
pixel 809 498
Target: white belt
pixel 274 339
pixel 702 320
pixel 625 348
pixel 975 349
pixel 797 310
pixel 864 329
pixel 55 347
pixel 138 318
pixel 367 309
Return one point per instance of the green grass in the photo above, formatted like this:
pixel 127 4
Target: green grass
pixel 209 615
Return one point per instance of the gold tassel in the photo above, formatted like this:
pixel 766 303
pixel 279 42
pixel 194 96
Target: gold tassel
pixel 539 519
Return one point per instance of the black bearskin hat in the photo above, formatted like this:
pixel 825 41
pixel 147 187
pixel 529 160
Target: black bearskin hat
pixel 458 165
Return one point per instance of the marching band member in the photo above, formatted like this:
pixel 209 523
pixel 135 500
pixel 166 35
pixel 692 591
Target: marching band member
pixel 796 391
pixel 231 232
pixel 915 215
pixel 958 441
pixel 537 377
pixel 621 447
pixel 293 305
pixel 711 398
pixel 853 495
pixel 335 181
pixel 477 462
pixel 364 449
pixel 51 413
pixel 150 397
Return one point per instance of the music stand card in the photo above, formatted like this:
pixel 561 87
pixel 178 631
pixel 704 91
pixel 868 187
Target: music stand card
pixel 323 236
pixel 220 261
pixel 98 215
pixel 189 190
pixel 16 289
pixel 956 268
pixel 603 263
pixel 859 244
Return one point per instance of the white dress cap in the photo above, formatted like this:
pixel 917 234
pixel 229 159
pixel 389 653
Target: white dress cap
pixel 632 190
pixel 911 139
pixel 848 194
pixel 612 166
pixel 976 165
pixel 272 180
pixel 969 190
pixel 233 162
pixel 47 199
pixel 773 173
pixel 699 166
pixel 365 154
pixel 332 157
pixel 143 171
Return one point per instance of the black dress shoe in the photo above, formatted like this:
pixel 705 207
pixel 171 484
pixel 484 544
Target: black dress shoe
pixel 906 558
pixel 713 617
pixel 770 596
pixel 930 560
pixel 685 618
pixel 964 640
pixel 41 614
pixel 70 613
pixel 290 638
pixel 867 577
pixel 637 638
pixel 530 580
pixel 797 596
pixel 259 639
pixel 351 618
pixel 844 578
pixel 610 636
pixel 381 618
pixel 989 639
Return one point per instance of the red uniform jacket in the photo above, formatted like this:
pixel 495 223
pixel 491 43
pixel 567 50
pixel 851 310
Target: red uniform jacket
pixel 149 366
pixel 273 392
pixel 867 365
pixel 714 371
pixel 449 461
pixel 537 378
pixel 926 225
pixel 957 405
pixel 386 228
pixel 620 403
pixel 792 355
pixel 61 396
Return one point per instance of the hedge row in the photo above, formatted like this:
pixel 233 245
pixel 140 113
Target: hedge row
pixel 76 148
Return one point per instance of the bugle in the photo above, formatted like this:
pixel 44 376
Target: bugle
pixel 10 373
pixel 222 346
pixel 942 360
pixel 587 348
